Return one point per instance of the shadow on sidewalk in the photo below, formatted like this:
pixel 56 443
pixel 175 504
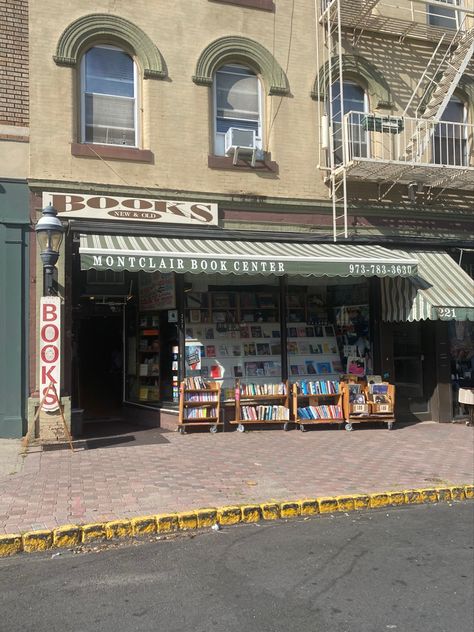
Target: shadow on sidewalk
pixel 112 433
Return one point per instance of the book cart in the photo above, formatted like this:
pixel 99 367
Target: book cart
pixel 368 403
pixel 317 402
pixel 199 404
pixel 259 404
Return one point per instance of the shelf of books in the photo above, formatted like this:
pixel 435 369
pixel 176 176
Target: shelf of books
pixel 199 404
pixel 148 358
pixel 233 335
pixel 369 402
pixel 261 403
pixel 317 402
pixel 312 352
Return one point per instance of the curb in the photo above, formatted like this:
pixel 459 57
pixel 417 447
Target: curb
pixel 69 536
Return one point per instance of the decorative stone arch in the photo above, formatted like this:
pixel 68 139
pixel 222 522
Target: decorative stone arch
pixel 106 28
pixel 354 66
pixel 241 49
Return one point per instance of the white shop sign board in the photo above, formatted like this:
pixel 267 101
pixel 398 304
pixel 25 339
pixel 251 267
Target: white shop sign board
pixel 50 350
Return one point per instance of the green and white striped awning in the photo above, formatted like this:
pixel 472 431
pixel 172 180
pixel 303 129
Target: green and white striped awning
pixel 213 256
pixel 441 291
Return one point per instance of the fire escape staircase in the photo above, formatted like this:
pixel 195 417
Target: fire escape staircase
pixel 455 62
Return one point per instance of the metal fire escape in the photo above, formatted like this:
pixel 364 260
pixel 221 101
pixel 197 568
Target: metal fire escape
pixel 399 149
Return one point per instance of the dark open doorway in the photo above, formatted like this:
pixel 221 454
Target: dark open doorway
pixel 100 361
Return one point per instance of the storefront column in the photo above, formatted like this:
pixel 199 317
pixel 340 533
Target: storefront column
pixel 375 316
pixel 179 285
pixel 283 323
pixel 442 405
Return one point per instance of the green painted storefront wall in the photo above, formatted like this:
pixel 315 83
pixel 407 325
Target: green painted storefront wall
pixel 14 219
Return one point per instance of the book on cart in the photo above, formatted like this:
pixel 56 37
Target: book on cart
pixel 257 403
pixel 199 404
pixel 317 402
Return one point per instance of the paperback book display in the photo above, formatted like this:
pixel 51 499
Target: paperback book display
pixel 317 402
pixel 199 404
pixel 259 403
pixel 312 350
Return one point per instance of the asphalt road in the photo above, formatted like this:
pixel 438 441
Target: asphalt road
pixel 408 569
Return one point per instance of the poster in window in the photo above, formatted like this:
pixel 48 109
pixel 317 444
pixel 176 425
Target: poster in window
pixel 157 291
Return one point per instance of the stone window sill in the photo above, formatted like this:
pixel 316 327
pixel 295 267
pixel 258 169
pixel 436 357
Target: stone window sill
pixel 225 162
pixel 264 5
pixel 112 152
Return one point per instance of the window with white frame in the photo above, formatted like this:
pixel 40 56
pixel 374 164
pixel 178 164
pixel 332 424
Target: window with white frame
pixel 450 136
pixel 109 97
pixel 237 103
pixel 443 17
pixel 355 103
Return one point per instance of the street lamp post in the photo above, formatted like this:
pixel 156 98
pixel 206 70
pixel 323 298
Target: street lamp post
pixel 49 233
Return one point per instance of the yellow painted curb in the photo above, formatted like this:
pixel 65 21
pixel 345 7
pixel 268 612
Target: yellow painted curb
pixel 251 513
pixel 290 508
pixel 10 544
pixel 93 531
pixel 444 494
pixel 72 535
pixel 413 497
pixel 428 496
pixel 270 511
pixel 68 535
pixel 328 504
pixel 37 540
pixel 309 507
pixel 143 525
pixel 345 503
pixel 206 517
pixel 396 498
pixel 118 529
pixel 229 515
pixel 457 493
pixel 378 500
pixel 167 523
pixel 187 520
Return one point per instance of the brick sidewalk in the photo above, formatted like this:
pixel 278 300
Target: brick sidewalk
pixel 201 470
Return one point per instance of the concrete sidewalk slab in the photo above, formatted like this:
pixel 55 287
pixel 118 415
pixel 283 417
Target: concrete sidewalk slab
pixel 57 487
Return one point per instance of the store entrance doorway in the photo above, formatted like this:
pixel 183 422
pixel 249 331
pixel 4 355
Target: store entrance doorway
pixel 100 361
pixel 413 356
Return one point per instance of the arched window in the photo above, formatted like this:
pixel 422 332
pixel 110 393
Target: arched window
pixel 355 104
pixel 108 97
pixel 450 136
pixel 237 104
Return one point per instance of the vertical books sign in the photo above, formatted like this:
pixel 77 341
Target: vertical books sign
pixel 50 350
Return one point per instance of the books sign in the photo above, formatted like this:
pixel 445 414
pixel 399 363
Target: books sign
pixel 74 205
pixel 50 350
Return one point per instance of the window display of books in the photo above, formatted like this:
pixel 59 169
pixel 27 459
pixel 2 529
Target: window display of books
pixel 312 350
pixel 227 350
pixel 148 357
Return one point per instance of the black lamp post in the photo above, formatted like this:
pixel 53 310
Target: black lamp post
pixel 49 233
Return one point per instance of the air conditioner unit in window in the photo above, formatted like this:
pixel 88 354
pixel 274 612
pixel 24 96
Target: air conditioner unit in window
pixel 240 142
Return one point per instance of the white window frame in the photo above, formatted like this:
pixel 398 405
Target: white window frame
pixel 456 23
pixel 353 82
pixel 83 99
pixel 465 138
pixel 219 135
